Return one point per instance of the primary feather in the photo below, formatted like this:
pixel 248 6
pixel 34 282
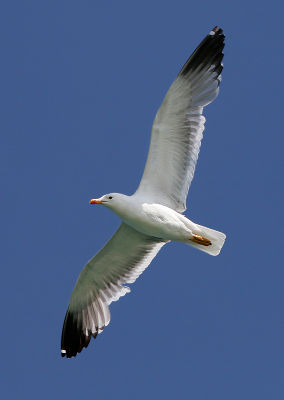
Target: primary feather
pixel 122 260
pixel 178 127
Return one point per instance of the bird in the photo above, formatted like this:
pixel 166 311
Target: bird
pixel 153 215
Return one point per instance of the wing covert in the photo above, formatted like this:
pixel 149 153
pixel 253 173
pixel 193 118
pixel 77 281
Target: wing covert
pixel 178 126
pixel 120 261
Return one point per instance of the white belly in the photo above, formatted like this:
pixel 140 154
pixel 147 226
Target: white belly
pixel 160 221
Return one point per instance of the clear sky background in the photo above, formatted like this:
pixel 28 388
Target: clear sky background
pixel 81 82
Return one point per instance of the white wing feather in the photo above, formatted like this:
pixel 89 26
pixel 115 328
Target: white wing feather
pixel 122 260
pixel 179 124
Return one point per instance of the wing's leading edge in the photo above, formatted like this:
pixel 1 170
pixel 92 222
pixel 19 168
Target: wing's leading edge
pixel 179 124
pixel 122 260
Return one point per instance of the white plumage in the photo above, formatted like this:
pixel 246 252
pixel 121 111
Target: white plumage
pixel 152 216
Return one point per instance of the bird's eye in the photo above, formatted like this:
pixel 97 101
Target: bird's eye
pixel 110 197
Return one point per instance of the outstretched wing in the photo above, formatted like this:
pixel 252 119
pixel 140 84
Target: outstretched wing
pixel 179 123
pixel 122 260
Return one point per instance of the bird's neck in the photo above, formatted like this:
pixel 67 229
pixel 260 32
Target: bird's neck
pixel 126 208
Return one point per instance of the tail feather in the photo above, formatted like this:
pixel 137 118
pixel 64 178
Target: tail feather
pixel 216 238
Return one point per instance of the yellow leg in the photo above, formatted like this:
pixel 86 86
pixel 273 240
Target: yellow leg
pixel 200 240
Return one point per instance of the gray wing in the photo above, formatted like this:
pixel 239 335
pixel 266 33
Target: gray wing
pixel 122 260
pixel 179 124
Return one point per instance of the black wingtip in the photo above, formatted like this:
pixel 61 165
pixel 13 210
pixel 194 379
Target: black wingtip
pixel 75 335
pixel 217 30
pixel 73 338
pixel 208 53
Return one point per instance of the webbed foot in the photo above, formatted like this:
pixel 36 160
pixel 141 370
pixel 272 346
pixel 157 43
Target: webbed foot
pixel 200 240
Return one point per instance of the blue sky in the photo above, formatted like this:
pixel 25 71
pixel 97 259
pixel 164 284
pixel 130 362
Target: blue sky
pixel 81 83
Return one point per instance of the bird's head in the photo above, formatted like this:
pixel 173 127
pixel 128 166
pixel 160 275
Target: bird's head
pixel 117 202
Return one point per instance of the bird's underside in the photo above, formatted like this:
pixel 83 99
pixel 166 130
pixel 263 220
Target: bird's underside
pixel 175 142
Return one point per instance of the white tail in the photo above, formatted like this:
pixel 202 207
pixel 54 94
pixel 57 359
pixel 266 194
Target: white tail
pixel 216 238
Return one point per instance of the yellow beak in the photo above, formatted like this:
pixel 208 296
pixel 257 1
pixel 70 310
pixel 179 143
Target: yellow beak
pixel 95 201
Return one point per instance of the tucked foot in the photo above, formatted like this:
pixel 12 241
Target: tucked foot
pixel 200 240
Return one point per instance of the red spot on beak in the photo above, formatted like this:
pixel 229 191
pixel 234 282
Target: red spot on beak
pixel 95 201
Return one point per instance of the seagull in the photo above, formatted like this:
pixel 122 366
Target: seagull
pixel 153 215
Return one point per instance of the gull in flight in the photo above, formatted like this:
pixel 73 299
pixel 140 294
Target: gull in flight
pixel 152 216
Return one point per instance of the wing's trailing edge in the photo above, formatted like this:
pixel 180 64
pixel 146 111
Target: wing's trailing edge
pixel 121 261
pixel 178 127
